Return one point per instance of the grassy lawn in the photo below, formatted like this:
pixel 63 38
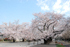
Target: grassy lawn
pixel 59 45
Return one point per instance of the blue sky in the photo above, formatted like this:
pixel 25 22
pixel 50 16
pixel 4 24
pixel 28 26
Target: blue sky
pixel 22 10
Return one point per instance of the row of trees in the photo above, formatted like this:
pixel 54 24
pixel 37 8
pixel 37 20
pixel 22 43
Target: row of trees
pixel 44 26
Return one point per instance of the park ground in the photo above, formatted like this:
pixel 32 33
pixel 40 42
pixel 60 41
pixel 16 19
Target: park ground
pixel 25 44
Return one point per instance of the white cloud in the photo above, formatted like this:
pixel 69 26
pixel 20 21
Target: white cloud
pixel 58 11
pixel 57 6
pixel 66 7
pixel 43 5
pixel 61 8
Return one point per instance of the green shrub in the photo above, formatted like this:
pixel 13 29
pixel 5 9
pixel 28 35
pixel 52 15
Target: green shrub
pixel 58 45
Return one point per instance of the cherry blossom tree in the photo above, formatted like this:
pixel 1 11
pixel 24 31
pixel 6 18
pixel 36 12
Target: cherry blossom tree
pixel 44 26
pixel 47 23
pixel 14 30
pixel 66 33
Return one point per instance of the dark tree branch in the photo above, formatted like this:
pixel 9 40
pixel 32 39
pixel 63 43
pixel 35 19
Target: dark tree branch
pixel 49 25
pixel 40 30
pixel 44 26
pixel 58 32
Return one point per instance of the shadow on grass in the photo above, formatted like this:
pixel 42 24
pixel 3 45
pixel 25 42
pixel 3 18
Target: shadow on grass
pixel 67 45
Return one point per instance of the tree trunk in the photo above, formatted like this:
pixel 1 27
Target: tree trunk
pixel 48 41
pixel 13 40
pixel 22 40
pixel 45 41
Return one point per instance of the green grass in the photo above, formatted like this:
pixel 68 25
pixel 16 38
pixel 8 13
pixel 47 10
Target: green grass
pixel 58 45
